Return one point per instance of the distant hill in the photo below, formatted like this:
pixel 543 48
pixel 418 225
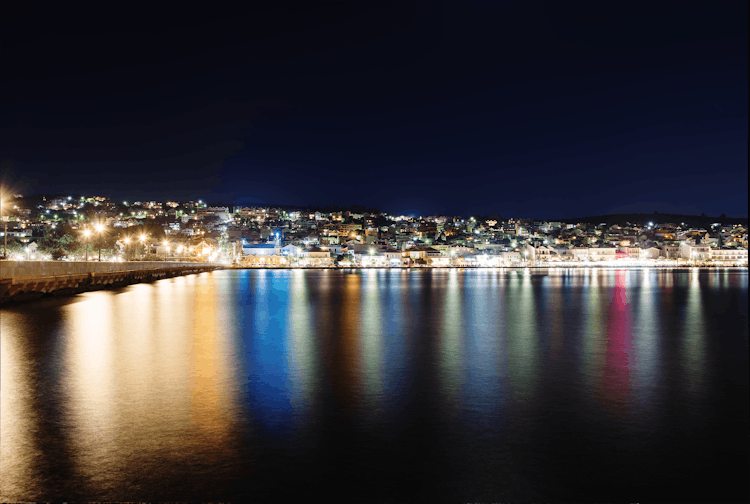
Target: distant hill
pixel 657 218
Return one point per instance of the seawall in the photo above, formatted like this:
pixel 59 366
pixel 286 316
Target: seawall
pixel 22 280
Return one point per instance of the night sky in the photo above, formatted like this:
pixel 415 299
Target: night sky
pixel 526 109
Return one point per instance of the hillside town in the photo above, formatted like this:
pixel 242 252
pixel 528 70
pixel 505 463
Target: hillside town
pixel 94 228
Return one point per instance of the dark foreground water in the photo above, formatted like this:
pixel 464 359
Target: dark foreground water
pixel 441 386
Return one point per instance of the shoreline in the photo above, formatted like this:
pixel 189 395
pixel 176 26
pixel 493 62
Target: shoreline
pixel 602 266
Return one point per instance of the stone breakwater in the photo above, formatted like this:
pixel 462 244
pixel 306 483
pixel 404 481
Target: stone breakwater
pixel 23 280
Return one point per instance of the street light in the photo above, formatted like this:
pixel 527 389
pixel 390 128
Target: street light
pixel 99 229
pixel 86 235
pixel 166 249
pixel 127 242
pixel 5 231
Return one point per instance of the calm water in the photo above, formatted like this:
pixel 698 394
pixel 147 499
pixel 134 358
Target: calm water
pixel 440 386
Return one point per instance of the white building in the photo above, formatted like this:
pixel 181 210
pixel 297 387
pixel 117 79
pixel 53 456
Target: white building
pixel 650 253
pixel 695 252
pixel 733 256
pixel 544 253
pixel 510 257
pixel 566 254
pixel 259 249
pixel 528 253
pixel 334 249
pixel 291 250
pixel 602 254
pixel 670 251
pixel 315 256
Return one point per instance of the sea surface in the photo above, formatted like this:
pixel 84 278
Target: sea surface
pixel 382 386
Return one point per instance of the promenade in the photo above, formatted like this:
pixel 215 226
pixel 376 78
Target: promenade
pixel 22 280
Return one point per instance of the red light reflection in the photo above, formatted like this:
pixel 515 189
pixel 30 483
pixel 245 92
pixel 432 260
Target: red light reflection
pixel 615 387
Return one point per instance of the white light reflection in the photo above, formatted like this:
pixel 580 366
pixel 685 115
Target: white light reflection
pixel 452 365
pixel 523 336
pixel 304 351
pixel 693 335
pixel 645 336
pixel 372 328
pixel 595 328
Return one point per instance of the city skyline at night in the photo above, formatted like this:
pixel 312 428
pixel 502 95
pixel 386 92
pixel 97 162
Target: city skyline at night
pixel 374 251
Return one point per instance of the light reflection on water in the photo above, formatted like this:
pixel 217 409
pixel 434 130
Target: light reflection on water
pixel 453 385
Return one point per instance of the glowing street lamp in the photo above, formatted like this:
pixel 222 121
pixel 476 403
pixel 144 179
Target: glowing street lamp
pixel 127 242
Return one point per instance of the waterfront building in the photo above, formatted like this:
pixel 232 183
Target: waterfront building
pixel 265 260
pixel 695 252
pixel 259 249
pixel 727 255
pixel 315 256
pixel 423 253
pixel 510 257
pixel 650 253
pixel 602 254
pixel 670 251
pixel 544 253
pixel 580 253
pixel 291 250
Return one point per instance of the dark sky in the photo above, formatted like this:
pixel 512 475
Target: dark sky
pixel 528 109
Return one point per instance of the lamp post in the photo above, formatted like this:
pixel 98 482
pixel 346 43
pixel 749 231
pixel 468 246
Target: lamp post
pixel 127 243
pixel 5 230
pixel 143 239
pixel 99 229
pixel 166 249
pixel 86 235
